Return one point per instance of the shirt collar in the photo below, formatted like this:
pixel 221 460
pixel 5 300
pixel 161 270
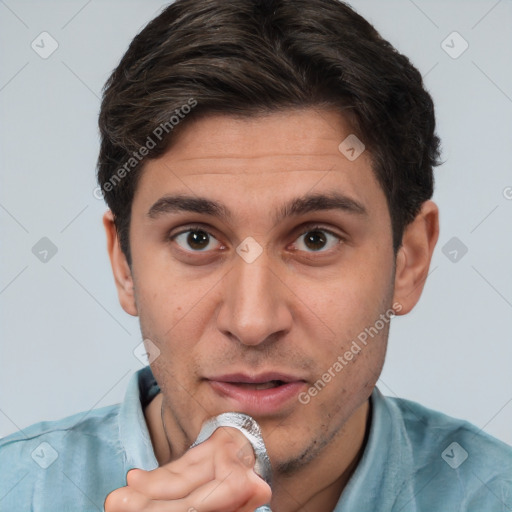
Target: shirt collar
pixel 379 474
pixel 133 430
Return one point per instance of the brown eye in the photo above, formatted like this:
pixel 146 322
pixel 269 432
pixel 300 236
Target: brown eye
pixel 195 239
pixel 317 240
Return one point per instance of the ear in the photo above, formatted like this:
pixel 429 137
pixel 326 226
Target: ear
pixel 414 256
pixel 120 268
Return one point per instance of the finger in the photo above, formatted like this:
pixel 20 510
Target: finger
pixel 195 468
pixel 170 482
pixel 261 495
pixel 236 486
pixel 240 491
pixel 126 499
pixel 235 445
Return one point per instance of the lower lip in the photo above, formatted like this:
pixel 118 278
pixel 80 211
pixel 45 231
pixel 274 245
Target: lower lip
pixel 258 401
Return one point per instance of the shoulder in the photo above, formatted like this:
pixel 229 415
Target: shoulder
pixel 81 421
pixel 85 428
pixel 455 457
pixel 426 427
pixel 54 454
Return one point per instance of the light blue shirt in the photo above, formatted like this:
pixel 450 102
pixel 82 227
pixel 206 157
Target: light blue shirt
pixel 415 459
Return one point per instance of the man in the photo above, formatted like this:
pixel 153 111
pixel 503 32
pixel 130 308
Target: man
pixel 268 169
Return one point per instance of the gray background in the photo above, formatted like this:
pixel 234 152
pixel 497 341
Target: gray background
pixel 66 344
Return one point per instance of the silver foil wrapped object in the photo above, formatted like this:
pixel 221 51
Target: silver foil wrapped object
pixel 251 430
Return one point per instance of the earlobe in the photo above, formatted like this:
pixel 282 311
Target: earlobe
pixel 122 273
pixel 414 257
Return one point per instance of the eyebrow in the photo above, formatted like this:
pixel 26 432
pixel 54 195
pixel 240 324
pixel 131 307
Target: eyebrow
pixel 298 206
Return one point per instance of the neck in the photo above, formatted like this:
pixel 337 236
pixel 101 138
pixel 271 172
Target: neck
pixel 317 486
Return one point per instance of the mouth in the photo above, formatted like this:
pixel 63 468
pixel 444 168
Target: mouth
pixel 264 394
pixel 258 385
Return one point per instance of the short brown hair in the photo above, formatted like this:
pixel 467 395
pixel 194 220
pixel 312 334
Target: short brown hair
pixel 249 57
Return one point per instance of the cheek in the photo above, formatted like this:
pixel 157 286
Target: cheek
pixel 351 301
pixel 168 301
pixel 347 379
pixel 355 306
pixel 177 318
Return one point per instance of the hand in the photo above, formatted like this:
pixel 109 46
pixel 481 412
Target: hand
pixel 215 476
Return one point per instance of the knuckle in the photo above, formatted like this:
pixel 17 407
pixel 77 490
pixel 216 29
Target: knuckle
pixel 194 455
pixel 235 484
pixel 259 488
pixel 264 492
pixel 228 436
pixel 246 455
pixel 242 484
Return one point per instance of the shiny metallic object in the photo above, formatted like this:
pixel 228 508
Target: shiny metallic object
pixel 251 430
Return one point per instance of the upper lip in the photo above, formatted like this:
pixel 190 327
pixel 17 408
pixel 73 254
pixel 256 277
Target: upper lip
pixel 255 379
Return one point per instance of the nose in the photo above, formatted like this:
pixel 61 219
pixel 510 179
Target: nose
pixel 255 306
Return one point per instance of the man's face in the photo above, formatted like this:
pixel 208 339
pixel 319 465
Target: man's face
pixel 289 302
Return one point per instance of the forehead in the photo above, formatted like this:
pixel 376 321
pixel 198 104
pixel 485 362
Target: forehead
pixel 260 160
pixel 300 133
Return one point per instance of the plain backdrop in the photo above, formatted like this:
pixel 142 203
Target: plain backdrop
pixel 66 344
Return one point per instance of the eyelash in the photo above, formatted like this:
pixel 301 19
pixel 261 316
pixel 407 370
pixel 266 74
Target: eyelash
pixel 307 229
